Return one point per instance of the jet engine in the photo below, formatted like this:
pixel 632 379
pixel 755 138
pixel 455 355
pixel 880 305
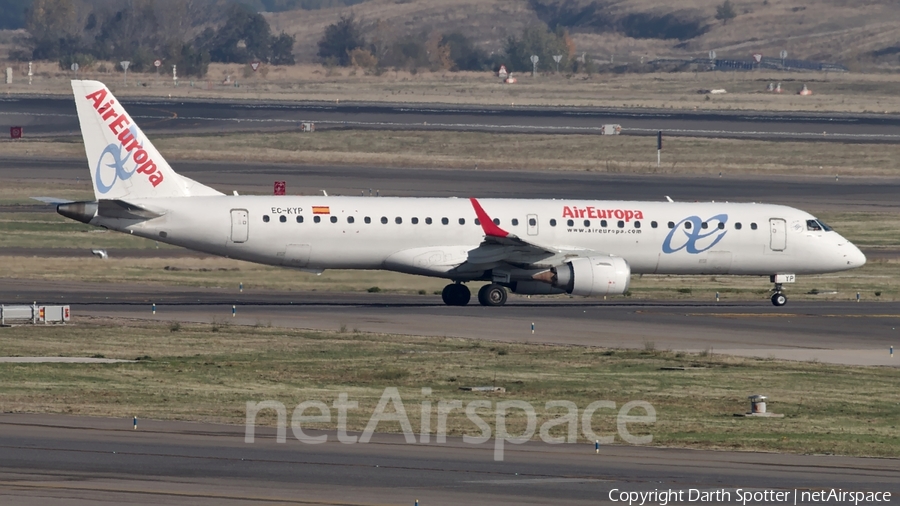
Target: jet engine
pixel 588 277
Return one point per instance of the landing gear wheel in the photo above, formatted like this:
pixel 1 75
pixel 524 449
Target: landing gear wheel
pixel 779 299
pixel 456 295
pixel 492 295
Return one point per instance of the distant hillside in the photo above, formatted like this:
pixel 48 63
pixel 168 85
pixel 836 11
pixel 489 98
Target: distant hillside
pixel 862 34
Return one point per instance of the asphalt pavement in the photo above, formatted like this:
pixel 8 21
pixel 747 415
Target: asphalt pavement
pixel 54 116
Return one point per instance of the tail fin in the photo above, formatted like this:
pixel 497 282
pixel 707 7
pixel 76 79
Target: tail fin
pixel 123 162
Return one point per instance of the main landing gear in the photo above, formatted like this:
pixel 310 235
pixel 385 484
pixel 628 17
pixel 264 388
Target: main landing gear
pixel 492 295
pixel 778 298
pixel 457 294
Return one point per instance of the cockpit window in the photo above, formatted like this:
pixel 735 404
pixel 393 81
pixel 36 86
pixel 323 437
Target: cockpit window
pixel 817 226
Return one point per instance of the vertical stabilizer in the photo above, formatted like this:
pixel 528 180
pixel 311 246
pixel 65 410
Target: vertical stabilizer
pixel 124 163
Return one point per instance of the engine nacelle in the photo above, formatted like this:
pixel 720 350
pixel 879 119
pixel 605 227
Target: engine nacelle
pixel 593 276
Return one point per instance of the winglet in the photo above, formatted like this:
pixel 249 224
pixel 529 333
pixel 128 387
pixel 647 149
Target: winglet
pixel 487 224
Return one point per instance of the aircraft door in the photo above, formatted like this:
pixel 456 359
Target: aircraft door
pixel 532 224
pixel 777 234
pixel 240 225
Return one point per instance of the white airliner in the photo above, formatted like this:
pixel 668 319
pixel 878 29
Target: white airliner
pixel 579 247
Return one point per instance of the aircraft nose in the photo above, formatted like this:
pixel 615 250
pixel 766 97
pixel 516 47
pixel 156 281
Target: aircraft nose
pixel 853 256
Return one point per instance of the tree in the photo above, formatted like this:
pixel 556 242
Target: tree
pixel 725 12
pixel 465 55
pixel 12 14
pixel 283 49
pixel 339 40
pixel 535 41
pixel 50 18
pixel 244 36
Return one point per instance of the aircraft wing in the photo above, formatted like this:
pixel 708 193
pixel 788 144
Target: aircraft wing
pixel 501 246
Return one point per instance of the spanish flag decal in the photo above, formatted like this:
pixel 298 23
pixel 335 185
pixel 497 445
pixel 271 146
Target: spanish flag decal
pixel 321 210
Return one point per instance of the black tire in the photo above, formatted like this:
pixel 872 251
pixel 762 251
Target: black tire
pixel 456 295
pixel 481 295
pixel 779 299
pixel 492 295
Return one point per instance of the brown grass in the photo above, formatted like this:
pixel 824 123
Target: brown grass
pixel 832 30
pixel 209 372
pixel 500 151
pixel 850 92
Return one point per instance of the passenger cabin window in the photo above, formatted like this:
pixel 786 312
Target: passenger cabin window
pixel 753 226
pixel 415 221
pixel 496 221
pixel 687 225
pixel 587 223
pixel 299 219
pixel 334 219
pixel 445 221
pixel 621 224
pixel 317 219
pixel 428 221
pixel 704 225
pixel 637 224
pixel 737 226
pixel 367 220
pixel 282 219
pixel 532 222
pixel 462 221
pixel 603 223
pixel 653 224
pixel 570 223
pixel 477 221
pixel 265 218
pixel 671 224
pixel 384 220
pixel 350 219
pixel 398 220
pixel 515 222
pixel 721 226
pixel 552 222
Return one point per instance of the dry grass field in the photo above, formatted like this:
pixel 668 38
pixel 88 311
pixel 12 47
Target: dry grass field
pixel 829 30
pixel 833 92
pixel 501 151
pixel 209 372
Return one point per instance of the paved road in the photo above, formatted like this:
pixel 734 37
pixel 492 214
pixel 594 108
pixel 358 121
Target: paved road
pixel 53 116
pixel 811 193
pixel 75 461
pixel 835 332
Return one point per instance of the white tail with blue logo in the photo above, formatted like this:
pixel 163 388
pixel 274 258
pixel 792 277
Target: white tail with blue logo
pixel 124 163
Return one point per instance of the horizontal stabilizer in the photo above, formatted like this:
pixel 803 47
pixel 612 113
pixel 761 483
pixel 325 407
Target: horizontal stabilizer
pixel 113 209
pixel 52 200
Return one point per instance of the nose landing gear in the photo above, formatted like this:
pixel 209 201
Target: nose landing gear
pixel 778 298
pixel 456 294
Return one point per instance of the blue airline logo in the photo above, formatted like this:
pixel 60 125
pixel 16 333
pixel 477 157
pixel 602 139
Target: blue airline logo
pixel 115 157
pixel 695 239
